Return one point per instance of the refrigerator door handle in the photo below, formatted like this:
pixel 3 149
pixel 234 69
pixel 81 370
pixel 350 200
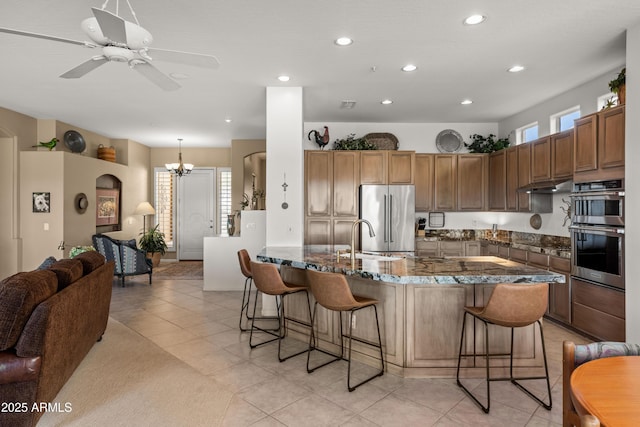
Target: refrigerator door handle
pixel 390 223
pixel 384 221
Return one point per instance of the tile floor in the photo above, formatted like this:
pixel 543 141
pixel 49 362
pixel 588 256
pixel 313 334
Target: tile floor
pixel 201 329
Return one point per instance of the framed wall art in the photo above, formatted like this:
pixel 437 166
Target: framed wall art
pixel 107 206
pixel 41 202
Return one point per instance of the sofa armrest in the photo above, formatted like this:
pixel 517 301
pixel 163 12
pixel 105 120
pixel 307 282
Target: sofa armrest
pixel 15 369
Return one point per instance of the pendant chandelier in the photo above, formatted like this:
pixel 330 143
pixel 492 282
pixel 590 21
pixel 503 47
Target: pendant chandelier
pixel 179 168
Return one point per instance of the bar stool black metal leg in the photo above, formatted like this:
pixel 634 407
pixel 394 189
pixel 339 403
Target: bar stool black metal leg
pixel 377 374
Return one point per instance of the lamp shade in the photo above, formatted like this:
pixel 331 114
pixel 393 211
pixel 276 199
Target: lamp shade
pixel 144 208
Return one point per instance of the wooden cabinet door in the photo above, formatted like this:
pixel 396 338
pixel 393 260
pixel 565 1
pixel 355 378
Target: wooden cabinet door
pixel 611 138
pixel 472 248
pixel 424 182
pixel 524 175
pixel 562 154
pixel 318 182
pixel 497 181
pixel 511 155
pixel 585 144
pixel 451 249
pixel 346 178
pixel 401 167
pixel 341 229
pixel 373 167
pixel 541 160
pixel 559 295
pixel 427 248
pixel 472 182
pixel 317 231
pixel 445 182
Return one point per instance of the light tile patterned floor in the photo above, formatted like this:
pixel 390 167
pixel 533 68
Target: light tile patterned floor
pixel 201 329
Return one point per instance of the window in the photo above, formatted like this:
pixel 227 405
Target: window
pixel 164 183
pixel 224 197
pixel 610 99
pixel 564 120
pixel 527 133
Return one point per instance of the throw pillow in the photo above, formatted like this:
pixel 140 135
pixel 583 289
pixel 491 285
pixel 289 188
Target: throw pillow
pixel 67 271
pixel 20 294
pixel 90 261
pixel 48 262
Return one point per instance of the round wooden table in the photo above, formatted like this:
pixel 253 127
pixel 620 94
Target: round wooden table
pixel 609 389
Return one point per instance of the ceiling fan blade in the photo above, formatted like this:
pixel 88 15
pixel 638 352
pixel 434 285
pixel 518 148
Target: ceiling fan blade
pixel 112 26
pixel 187 58
pixel 85 67
pixel 45 37
pixel 156 76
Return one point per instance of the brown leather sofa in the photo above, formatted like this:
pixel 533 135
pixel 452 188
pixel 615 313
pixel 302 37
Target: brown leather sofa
pixel 49 320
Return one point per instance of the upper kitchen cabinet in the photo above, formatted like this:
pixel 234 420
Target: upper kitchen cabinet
pixel 472 179
pixel 460 182
pixel 524 175
pixel 387 167
pixel 512 194
pixel 445 177
pixel 541 160
pixel 346 176
pixel 318 171
pixel 562 155
pixel 599 145
pixel 498 181
pixel 424 175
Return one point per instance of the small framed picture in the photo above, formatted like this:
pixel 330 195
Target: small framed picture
pixel 41 202
pixel 107 206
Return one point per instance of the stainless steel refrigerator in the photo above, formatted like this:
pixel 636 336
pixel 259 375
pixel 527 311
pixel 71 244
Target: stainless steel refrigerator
pixel 391 211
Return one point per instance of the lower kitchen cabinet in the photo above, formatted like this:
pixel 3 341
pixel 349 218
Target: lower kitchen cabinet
pixel 448 248
pixel 560 293
pixel 598 311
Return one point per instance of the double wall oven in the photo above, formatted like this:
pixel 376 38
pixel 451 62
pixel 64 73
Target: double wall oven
pixel 597 232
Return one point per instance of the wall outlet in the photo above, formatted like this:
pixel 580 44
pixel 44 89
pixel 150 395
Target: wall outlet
pixel 353 321
pixel 46 226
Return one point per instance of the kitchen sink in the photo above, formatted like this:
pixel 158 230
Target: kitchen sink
pixel 373 257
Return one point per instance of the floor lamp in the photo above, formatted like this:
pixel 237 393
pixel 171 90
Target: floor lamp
pixel 144 209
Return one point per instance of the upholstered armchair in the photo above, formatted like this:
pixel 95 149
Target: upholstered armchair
pixel 575 355
pixel 129 260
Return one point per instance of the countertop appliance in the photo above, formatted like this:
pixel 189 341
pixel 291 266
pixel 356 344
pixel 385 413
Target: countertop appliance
pixel 391 211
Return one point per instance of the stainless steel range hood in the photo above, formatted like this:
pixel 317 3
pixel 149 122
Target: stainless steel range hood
pixel 547 187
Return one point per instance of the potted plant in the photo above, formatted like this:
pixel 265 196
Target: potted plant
pixel 352 143
pixel 618 86
pixel 489 144
pixel 152 242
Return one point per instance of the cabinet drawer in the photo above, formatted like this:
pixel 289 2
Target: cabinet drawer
pixel 503 251
pixel 559 264
pixel 597 323
pixel 599 298
pixel 519 255
pixel 538 260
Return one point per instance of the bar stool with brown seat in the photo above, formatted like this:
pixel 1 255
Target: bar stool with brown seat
pixel 332 292
pixel 267 279
pixel 245 267
pixel 511 306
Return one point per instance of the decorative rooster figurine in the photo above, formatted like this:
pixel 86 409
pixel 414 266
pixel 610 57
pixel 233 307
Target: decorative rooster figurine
pixel 50 145
pixel 321 140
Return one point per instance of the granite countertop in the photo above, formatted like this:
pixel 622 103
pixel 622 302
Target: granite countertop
pixel 410 269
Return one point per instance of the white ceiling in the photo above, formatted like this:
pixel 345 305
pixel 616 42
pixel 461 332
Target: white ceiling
pixel 562 43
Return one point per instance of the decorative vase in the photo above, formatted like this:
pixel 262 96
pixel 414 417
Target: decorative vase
pixel 155 258
pixel 231 224
pixel 622 94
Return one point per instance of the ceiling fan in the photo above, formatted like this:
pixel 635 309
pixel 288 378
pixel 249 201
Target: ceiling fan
pixel 124 41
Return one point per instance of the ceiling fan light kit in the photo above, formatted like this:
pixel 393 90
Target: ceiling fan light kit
pixel 124 41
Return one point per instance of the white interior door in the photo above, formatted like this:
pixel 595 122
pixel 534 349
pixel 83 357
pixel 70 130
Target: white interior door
pixel 196 212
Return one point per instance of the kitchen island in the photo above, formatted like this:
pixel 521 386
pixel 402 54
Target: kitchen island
pixel 421 302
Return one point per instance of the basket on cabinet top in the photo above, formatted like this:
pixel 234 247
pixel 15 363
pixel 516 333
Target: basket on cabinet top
pixel 382 141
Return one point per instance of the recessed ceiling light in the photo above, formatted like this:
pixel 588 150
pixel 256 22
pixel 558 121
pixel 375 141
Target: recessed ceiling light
pixel 409 67
pixel 386 102
pixel 516 69
pixel 348 104
pixel 343 41
pixel 474 19
pixel 466 102
pixel 283 78
pixel 227 120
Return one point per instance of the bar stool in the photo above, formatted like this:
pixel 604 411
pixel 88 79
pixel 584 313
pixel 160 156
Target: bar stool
pixel 511 306
pixel 245 267
pixel 267 279
pixel 332 292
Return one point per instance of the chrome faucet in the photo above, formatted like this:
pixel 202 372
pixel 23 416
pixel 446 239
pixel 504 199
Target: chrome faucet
pixel 353 237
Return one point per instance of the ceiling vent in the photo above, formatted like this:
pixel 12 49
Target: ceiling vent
pixel 347 104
